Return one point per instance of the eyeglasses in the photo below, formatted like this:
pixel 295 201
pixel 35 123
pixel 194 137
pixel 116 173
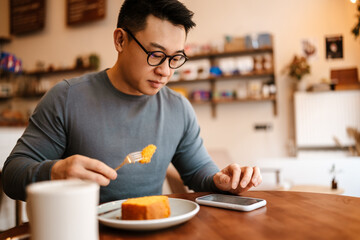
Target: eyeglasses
pixel 156 58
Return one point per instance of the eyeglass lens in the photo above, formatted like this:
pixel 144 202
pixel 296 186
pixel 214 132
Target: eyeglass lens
pixel 156 58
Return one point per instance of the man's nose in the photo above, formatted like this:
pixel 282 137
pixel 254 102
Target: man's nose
pixel 163 69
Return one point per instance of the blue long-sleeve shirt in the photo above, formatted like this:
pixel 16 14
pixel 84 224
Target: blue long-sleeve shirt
pixel 88 116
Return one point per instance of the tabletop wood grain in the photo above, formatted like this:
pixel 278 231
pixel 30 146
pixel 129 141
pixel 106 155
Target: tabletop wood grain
pixel 287 215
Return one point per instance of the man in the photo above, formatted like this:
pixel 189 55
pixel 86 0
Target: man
pixel 84 127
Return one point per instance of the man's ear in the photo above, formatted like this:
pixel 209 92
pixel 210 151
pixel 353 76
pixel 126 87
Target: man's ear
pixel 119 39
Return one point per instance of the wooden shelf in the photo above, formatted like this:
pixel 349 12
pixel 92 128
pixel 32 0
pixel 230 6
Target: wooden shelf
pixel 5 98
pixel 59 71
pixel 47 73
pixel 4 40
pixel 234 100
pixel 251 75
pixel 215 102
pixel 212 79
pixel 232 53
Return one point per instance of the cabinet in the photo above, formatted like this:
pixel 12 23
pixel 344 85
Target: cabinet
pixel 264 74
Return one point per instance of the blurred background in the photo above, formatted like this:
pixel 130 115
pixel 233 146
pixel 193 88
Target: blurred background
pixel 273 83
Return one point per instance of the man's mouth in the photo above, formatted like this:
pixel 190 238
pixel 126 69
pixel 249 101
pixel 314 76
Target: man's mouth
pixel 155 84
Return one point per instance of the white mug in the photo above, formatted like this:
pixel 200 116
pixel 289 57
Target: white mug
pixel 63 210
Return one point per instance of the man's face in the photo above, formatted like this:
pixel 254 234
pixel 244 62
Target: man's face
pixel 138 76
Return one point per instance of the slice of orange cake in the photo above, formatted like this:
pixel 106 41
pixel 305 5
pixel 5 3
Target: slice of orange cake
pixel 147 153
pixel 143 208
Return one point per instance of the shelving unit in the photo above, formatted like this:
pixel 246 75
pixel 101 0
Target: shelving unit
pixel 212 80
pixel 40 74
pixel 29 92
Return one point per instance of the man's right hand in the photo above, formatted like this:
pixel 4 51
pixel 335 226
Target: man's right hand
pixel 78 166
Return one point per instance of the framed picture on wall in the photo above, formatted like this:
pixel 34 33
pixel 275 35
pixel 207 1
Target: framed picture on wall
pixel 26 16
pixel 334 47
pixel 84 11
pixel 309 48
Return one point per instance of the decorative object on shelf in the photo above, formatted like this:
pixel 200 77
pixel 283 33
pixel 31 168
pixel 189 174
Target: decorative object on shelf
pixel 180 90
pixel 265 91
pixel 325 84
pixel 6 90
pixel 189 72
pixel 94 61
pixel 242 91
pixel 272 89
pixel 261 40
pixel 225 95
pixel 245 64
pixel 215 71
pixel 255 89
pixel 264 40
pixel 234 44
pixel 10 63
pixel 258 63
pixel 356 29
pixel 40 66
pixel 227 66
pixel 297 69
pixel 176 76
pixel 200 95
pixel 251 41
pixel 203 68
pixel 51 68
pixel 333 172
pixel 79 62
pixel 193 49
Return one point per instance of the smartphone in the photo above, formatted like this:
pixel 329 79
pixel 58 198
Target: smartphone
pixel 231 202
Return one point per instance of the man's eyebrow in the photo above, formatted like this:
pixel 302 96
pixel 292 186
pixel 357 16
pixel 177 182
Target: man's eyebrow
pixel 156 45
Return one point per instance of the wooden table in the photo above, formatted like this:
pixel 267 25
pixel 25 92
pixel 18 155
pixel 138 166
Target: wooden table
pixel 316 188
pixel 288 215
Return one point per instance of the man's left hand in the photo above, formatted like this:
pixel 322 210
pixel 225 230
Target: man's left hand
pixel 236 179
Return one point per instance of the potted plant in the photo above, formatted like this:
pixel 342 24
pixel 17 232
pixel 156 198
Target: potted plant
pixel 356 29
pixel 297 69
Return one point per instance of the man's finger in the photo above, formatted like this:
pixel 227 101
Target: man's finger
pixel 101 168
pixel 247 174
pixel 93 176
pixel 236 173
pixel 257 179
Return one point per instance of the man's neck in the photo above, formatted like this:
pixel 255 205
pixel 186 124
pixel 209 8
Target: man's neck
pixel 116 78
pixel 113 75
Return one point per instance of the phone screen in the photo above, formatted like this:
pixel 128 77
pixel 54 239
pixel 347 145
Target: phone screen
pixel 231 199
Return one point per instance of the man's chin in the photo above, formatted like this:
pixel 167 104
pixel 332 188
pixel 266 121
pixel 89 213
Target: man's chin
pixel 151 92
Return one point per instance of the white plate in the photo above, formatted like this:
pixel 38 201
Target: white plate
pixel 181 211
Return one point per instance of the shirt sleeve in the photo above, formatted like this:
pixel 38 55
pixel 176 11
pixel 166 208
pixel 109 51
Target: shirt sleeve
pixel 42 142
pixel 191 159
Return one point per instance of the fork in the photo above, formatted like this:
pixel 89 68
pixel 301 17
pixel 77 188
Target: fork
pixel 130 158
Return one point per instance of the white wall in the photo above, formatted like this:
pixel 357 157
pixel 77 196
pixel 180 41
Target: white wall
pixel 288 20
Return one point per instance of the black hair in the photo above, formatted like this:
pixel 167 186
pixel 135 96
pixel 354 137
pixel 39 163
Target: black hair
pixel 133 14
